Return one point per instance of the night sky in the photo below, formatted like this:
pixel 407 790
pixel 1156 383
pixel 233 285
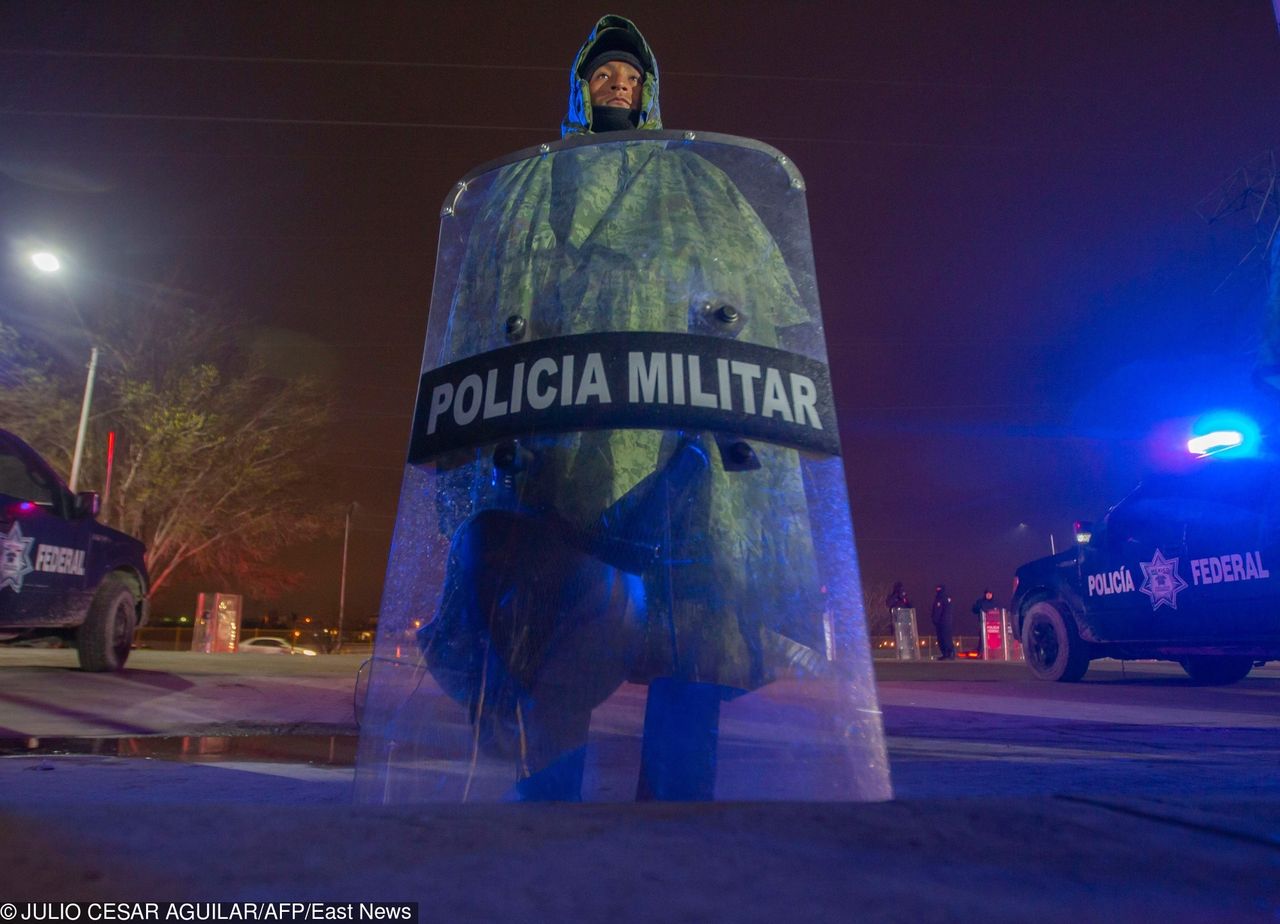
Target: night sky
pixel 1021 300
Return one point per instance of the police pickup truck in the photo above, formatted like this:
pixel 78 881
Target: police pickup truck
pixel 1186 568
pixel 61 571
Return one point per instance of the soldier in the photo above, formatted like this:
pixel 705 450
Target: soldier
pixel 980 606
pixel 583 560
pixel 941 614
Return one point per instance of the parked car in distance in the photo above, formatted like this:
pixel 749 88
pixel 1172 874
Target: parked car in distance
pixel 62 573
pixel 267 645
pixel 1186 569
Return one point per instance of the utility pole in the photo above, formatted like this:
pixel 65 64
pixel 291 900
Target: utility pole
pixel 342 585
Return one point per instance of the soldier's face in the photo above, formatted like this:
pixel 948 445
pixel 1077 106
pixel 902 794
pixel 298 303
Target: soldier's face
pixel 616 83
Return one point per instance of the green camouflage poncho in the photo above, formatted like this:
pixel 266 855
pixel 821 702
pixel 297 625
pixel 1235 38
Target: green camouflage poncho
pixel 627 236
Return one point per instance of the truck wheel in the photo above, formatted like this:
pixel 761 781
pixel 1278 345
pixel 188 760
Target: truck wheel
pixel 1053 647
pixel 106 636
pixel 1216 670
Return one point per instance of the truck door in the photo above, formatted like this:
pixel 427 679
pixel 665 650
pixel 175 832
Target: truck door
pixel 43 543
pixel 1231 549
pixel 1134 574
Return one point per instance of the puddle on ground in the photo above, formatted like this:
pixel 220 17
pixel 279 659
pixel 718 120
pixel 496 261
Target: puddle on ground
pixel 317 750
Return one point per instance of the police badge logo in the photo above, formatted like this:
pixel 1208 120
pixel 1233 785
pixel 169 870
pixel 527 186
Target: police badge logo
pixel 1161 581
pixel 15 558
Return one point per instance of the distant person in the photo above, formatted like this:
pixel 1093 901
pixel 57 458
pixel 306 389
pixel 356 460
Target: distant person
pixel 980 606
pixel 986 602
pixel 941 614
pixel 898 600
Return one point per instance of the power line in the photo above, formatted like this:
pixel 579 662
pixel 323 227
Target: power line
pixel 490 66
pixel 261 120
pixel 406 154
pixel 271 59
pixel 543 132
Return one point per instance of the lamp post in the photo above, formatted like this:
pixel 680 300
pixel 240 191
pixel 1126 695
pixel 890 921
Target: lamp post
pixel 48 263
pixel 84 419
pixel 342 584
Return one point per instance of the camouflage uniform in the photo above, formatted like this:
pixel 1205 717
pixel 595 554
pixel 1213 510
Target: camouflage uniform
pixel 609 238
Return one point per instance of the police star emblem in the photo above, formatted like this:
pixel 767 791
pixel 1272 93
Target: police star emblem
pixel 15 558
pixel 1161 581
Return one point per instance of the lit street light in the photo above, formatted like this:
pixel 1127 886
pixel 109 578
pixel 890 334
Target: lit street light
pixel 46 262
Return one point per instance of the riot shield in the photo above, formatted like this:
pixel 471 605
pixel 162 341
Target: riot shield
pixel 623 564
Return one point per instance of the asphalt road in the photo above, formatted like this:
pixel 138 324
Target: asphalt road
pixel 1131 795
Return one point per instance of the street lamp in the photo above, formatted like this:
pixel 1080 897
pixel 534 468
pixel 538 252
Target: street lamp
pixel 47 262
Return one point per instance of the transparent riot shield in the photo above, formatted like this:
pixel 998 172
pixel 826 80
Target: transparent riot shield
pixel 905 634
pixel 623 566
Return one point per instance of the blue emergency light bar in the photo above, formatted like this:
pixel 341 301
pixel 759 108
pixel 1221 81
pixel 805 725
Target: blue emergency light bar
pixel 1217 441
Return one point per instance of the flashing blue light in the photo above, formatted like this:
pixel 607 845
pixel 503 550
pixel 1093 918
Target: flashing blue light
pixel 1221 431
pixel 1217 441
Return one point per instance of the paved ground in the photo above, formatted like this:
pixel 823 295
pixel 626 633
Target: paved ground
pixel 167 692
pixel 1131 796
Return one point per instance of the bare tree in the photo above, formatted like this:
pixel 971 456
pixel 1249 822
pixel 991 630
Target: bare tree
pixel 211 469
pixel 873 595
pixel 37 400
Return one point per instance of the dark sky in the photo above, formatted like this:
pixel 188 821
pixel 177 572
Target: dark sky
pixel 1018 292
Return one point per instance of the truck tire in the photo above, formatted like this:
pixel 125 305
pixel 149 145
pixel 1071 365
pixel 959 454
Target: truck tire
pixel 1216 670
pixel 1051 643
pixel 106 636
